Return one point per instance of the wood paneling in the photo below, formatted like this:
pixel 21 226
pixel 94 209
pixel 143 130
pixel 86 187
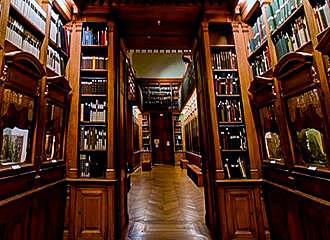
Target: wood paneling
pixel 241 216
pixel 161 129
pixel 91 213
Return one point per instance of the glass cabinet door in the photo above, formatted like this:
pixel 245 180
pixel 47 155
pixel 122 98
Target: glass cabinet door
pixel 54 132
pixel 270 134
pixel 307 125
pixel 16 127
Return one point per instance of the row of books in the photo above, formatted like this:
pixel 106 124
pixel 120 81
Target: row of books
pixel 92 36
pixel 235 167
pixel 233 138
pixel 322 15
pixel 58 34
pixel 91 166
pixel 93 138
pixel 227 85
pixel 230 111
pixel 152 93
pixel 224 60
pixel 261 63
pixel 55 62
pixel 293 38
pixel 157 88
pixel 93 86
pixel 93 111
pixel 93 63
pixel 257 34
pixel 21 38
pixel 32 11
pixel 279 10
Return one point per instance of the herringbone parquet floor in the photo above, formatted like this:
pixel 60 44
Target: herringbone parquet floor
pixel 165 204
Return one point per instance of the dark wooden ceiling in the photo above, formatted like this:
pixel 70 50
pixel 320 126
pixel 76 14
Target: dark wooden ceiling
pixel 157 24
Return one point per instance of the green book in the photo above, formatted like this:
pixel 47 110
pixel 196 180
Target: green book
pixel 270 17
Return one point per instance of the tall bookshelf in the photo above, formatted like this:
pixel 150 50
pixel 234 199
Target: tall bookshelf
pixel 93 103
pixel 146 132
pixel 177 133
pixel 160 95
pixel 231 123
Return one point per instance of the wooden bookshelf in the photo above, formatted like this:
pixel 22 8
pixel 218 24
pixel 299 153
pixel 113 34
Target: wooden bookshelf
pixel 232 101
pixel 146 132
pixel 93 124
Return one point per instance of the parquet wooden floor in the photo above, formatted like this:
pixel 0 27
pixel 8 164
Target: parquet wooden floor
pixel 165 204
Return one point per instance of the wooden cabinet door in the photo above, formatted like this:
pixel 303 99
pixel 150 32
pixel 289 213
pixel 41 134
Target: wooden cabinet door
pixel 241 214
pixel 91 214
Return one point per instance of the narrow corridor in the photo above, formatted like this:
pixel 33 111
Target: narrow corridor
pixel 165 204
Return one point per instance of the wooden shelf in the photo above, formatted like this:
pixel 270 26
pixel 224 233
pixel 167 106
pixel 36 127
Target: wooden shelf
pixel 25 22
pixel 58 49
pixel 228 96
pixel 93 95
pixel 232 150
pixel 321 34
pixel 223 46
pixel 99 124
pixel 225 70
pixel 86 150
pixel 230 123
pixel 293 16
pixel 306 47
pixel 258 50
pixel 95 70
pixel 51 72
pixel 268 73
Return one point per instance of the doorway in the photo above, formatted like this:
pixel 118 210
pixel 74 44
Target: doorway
pixel 162 146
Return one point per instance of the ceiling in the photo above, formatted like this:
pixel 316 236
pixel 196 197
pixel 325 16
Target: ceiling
pixel 157 24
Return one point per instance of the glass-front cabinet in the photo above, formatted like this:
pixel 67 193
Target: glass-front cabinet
pixel 304 110
pixel 308 128
pixel 266 115
pixel 19 95
pixel 57 99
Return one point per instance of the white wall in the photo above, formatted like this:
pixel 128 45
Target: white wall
pixel 158 65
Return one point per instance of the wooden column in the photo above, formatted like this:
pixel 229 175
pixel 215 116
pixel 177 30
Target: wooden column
pixel 110 171
pixel 240 32
pixel 74 77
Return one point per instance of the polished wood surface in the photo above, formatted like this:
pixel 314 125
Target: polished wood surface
pixel 165 204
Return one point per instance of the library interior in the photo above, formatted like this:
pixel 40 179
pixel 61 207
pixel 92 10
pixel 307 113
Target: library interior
pixel 164 120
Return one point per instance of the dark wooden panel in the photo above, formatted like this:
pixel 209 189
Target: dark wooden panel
pixel 316 221
pixel 241 216
pixel 13 185
pixel 316 186
pixel 194 159
pixel 47 210
pixel 91 213
pixel 161 128
pixel 14 219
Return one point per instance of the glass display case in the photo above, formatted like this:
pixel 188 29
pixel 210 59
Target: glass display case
pixel 19 98
pixel 16 127
pixel 302 98
pixel 54 131
pixel 270 133
pixel 307 127
pixel 57 100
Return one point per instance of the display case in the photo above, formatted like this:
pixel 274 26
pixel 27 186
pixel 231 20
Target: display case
pixel 56 110
pixel 303 99
pixel 264 99
pixel 19 102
